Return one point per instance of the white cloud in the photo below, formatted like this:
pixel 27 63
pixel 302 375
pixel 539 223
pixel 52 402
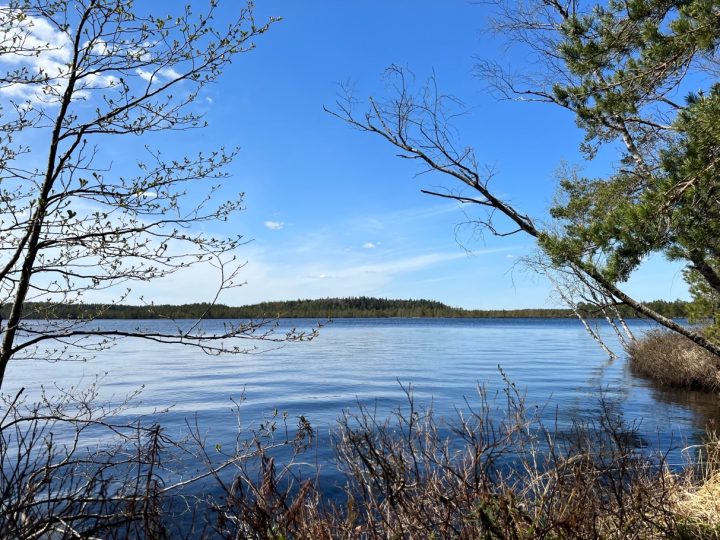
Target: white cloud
pixel 53 53
pixel 39 47
pixel 100 47
pixel 274 225
pixel 368 245
pixel 169 73
pixel 157 75
pixel 209 100
pixel 144 74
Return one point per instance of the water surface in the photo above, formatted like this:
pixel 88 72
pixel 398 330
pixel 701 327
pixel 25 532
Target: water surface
pixel 552 361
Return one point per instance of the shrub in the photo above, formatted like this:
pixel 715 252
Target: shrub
pixel 673 360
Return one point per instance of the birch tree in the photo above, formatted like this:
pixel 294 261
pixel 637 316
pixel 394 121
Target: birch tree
pixel 76 77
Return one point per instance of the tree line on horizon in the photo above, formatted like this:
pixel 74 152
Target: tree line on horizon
pixel 351 307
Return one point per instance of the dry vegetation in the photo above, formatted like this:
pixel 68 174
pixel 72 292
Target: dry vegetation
pixel 487 474
pixel 674 360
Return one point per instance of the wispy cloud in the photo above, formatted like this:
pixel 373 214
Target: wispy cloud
pixel 158 75
pixel 391 220
pixel 169 73
pixel 369 245
pixel 274 225
pixel 398 266
pixel 268 279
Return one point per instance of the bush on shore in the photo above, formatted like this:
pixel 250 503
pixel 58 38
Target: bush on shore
pixel 674 360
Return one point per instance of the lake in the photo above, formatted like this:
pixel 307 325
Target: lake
pixel 553 361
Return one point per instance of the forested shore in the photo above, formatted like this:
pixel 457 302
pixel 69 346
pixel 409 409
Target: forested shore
pixel 353 307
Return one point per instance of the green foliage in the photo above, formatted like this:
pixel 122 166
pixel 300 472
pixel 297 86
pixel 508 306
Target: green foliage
pixel 705 305
pixel 624 63
pixel 690 185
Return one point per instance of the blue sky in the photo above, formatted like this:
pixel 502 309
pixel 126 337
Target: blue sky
pixel 331 211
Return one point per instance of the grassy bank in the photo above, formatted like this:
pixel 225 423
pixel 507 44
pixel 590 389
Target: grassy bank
pixel 673 360
pixel 412 475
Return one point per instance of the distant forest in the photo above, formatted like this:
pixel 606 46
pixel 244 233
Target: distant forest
pixel 354 307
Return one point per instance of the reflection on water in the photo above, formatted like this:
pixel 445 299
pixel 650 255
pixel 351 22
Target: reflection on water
pixel 704 406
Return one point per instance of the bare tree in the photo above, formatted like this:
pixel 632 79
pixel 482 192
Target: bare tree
pixel 420 125
pixel 73 222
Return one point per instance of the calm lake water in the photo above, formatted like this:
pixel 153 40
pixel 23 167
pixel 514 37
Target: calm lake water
pixel 554 362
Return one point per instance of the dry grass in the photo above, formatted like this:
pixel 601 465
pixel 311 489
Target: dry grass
pixel 697 498
pixel 673 360
pixel 701 503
